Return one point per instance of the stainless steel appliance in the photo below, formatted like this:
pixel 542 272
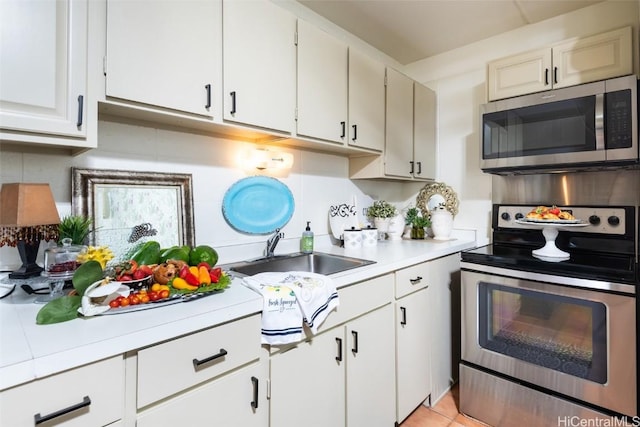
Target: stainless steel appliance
pixel 590 126
pixel 546 341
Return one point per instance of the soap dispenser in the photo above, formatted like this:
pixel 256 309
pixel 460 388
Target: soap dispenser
pixel 306 242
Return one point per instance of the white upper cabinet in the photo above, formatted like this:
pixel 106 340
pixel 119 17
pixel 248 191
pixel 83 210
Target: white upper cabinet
pixel 424 132
pixel 43 70
pixel 571 62
pixel 398 154
pixel 366 101
pixel 322 85
pixel 164 53
pixel 259 57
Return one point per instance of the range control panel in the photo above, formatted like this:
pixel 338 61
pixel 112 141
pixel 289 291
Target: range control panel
pixel 604 220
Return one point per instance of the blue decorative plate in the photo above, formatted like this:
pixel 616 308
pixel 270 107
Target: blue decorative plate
pixel 258 205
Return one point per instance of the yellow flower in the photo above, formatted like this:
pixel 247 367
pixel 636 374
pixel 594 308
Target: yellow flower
pixel 102 254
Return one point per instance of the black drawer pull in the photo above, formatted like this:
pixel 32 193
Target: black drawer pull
pixel 355 341
pixel 419 168
pixel 233 102
pixel 80 111
pixel 411 163
pixel 416 280
pixel 555 75
pixel 197 363
pixel 208 89
pixel 254 402
pixel 403 310
pixel 344 129
pixel 39 419
pixel 339 356
pixel 546 76
pixel 355 132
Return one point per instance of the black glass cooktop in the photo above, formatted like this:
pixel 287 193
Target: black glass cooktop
pixel 614 268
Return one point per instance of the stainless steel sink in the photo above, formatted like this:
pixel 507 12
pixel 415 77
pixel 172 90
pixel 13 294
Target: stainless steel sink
pixel 316 262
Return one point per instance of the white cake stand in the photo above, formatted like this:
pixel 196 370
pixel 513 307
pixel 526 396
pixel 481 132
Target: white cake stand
pixel 550 229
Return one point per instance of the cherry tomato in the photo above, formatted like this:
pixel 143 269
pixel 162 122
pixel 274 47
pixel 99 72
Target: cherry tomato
pixel 125 302
pixel 164 294
pixel 156 287
pixel 144 298
pixel 134 300
pixel 114 303
pixel 153 296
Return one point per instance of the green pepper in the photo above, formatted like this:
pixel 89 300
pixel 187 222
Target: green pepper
pixel 147 254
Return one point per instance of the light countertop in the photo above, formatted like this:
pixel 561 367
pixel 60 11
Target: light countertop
pixel 29 351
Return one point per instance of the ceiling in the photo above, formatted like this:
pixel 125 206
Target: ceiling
pixel 410 30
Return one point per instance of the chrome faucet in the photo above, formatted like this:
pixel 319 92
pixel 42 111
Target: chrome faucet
pixel 273 242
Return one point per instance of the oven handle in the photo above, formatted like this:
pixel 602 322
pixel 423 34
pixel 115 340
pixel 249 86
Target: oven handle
pixel 599 122
pixel 628 289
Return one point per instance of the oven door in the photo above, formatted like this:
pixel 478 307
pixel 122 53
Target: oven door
pixel 577 342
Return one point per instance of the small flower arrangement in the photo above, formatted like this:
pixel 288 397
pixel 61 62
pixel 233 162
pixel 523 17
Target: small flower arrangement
pixel 381 209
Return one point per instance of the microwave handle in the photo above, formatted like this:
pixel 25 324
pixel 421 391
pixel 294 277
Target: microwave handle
pixel 600 143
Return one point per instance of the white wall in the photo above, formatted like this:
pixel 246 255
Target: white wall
pixel 459 79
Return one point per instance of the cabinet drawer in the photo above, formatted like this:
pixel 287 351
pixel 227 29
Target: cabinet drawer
pixel 360 298
pixel 173 366
pixel 92 395
pixel 411 279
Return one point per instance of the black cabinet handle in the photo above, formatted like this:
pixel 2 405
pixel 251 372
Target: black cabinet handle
pixel 44 418
pixel 419 168
pixel 403 310
pixel 411 163
pixel 339 356
pixel 546 76
pixel 344 129
pixel 233 102
pixel 221 353
pixel 80 110
pixel 416 280
pixel 208 89
pixel 355 341
pixel 555 75
pixel 355 132
pixel 254 402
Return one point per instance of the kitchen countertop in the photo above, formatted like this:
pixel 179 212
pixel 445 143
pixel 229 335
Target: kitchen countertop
pixel 29 351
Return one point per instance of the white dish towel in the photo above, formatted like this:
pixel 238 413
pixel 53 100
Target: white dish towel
pixel 291 298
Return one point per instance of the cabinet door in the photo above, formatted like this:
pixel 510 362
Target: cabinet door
pixel 413 350
pixel 593 58
pixel 43 66
pixel 366 101
pixel 398 152
pixel 307 383
pixel 424 132
pixel 235 399
pixel 322 85
pixel 172 68
pixel 259 57
pixel 516 75
pixel 371 383
pixel 91 395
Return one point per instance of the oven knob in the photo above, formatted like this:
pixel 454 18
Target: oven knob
pixel 613 220
pixel 594 220
pixel 519 215
pixel 505 216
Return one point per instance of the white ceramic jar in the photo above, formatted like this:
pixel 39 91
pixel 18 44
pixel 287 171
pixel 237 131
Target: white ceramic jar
pixel 441 224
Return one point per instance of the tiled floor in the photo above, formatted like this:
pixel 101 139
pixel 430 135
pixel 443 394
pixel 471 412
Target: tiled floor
pixel 444 413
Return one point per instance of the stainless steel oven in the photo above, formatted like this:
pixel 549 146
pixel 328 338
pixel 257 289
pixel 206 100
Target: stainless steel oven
pixel 542 339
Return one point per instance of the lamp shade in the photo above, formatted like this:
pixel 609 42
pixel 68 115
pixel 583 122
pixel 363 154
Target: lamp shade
pixel 27 205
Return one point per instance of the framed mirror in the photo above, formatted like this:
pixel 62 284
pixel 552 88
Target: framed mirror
pixel 437 194
pixel 128 207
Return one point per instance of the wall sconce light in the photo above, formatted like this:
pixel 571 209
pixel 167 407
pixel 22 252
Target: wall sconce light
pixel 263 160
pixel 28 214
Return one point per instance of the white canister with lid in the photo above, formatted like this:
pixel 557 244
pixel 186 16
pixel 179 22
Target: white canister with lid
pixel 353 238
pixel 369 237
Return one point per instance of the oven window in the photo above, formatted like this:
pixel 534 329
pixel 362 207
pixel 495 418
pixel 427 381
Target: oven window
pixel 557 332
pixel 556 127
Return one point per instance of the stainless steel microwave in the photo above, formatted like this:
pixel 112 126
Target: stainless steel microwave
pixel 590 126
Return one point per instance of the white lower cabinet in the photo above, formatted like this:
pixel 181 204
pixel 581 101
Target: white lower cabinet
pixel 91 395
pixel 237 399
pixel 345 375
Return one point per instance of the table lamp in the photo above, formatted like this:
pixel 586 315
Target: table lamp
pixel 28 214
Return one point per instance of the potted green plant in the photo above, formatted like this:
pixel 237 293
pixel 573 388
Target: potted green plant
pixel 381 211
pixel 76 228
pixel 417 221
